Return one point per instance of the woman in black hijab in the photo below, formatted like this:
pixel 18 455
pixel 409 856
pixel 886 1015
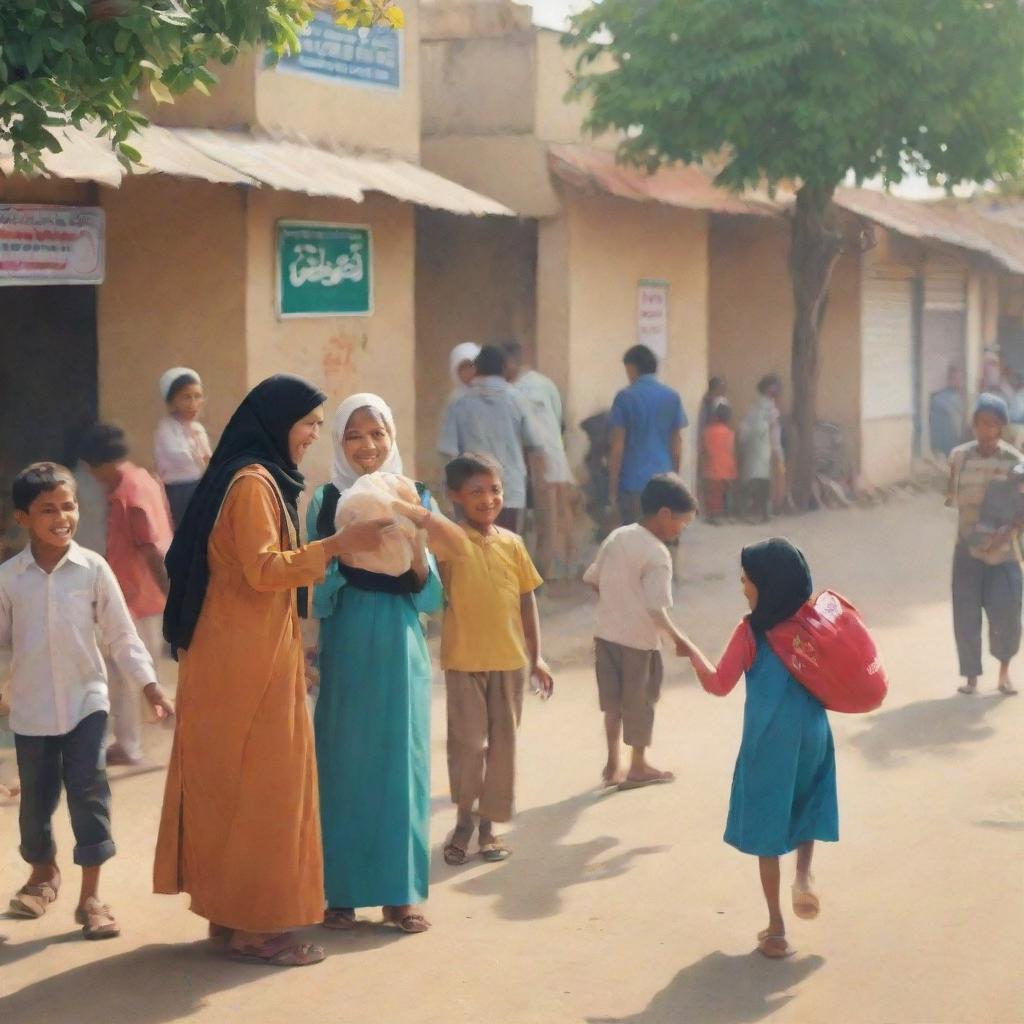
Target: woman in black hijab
pixel 240 825
pixel 784 786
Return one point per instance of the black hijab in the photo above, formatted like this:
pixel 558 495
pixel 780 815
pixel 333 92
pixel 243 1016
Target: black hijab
pixel 257 434
pixel 783 580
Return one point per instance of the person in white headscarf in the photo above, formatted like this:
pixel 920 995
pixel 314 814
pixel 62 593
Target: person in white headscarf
pixel 462 364
pixel 372 718
pixel 181 447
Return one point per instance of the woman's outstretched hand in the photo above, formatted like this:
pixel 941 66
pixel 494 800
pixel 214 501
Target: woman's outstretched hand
pixel 357 538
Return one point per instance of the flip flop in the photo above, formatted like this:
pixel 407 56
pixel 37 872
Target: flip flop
pixel 96 920
pixel 1008 691
pixel 272 954
pixel 455 856
pixel 769 947
pixel 340 919
pixel 32 901
pixel 658 780
pixel 494 851
pixel 806 904
pixel 967 691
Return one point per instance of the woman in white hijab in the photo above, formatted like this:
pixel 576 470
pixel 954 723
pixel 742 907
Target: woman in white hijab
pixel 373 712
pixel 181 447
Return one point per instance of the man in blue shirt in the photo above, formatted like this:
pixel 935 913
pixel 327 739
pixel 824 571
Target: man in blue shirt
pixel 647 422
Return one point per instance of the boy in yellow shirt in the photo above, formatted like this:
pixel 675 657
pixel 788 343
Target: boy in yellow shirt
pixel 490 644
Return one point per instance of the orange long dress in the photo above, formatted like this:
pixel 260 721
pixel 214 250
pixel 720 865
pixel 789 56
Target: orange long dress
pixel 240 829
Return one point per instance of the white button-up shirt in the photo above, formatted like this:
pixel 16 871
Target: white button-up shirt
pixel 49 621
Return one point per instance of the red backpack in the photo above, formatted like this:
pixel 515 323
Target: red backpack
pixel 828 650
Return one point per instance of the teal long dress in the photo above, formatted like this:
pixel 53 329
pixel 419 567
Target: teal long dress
pixel 784 785
pixel 372 725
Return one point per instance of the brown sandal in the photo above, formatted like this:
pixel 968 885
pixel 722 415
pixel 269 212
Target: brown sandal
pixel 340 919
pixel 494 850
pixel 411 924
pixel 455 856
pixel 278 952
pixel 34 900
pixel 96 920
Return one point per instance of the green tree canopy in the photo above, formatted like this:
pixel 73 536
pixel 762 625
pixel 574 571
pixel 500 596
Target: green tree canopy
pixel 806 92
pixel 65 62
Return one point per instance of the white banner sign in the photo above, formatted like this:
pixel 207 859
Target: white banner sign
pixel 51 245
pixel 652 317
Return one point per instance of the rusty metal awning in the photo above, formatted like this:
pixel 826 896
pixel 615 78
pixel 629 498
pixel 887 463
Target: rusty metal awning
pixel 684 186
pixel 240 158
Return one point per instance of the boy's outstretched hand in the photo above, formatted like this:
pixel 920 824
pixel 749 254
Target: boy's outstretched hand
pixel 542 673
pixel 162 707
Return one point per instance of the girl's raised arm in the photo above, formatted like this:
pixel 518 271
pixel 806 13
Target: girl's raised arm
pixel 738 657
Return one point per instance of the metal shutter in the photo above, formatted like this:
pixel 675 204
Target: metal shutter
pixel 945 286
pixel 887 333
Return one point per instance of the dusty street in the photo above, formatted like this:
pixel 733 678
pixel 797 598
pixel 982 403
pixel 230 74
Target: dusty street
pixel 627 907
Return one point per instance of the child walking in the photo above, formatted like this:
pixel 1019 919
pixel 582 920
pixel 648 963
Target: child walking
pixel 718 465
pixel 181 447
pixel 490 644
pixel 784 785
pixel 632 575
pixel 986 569
pixel 53 598
pixel 138 536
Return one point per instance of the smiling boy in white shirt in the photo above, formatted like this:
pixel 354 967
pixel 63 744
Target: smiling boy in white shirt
pixel 53 596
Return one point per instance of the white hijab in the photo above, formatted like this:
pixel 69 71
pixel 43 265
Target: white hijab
pixel 344 474
pixel 176 372
pixel 464 353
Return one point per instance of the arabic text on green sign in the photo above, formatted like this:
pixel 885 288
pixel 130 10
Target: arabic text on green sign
pixel 323 270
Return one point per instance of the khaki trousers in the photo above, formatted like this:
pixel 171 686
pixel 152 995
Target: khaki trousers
pixel 555 524
pixel 484 711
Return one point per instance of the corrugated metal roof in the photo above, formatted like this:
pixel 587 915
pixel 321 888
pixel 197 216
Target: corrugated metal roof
pixel 228 157
pixel 958 226
pixel 680 185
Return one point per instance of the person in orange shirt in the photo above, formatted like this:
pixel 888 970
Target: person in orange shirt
pixel 718 445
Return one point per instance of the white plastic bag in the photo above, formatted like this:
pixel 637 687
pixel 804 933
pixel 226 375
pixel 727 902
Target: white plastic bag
pixel 371 497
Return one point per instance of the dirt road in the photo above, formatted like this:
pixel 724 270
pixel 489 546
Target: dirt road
pixel 627 907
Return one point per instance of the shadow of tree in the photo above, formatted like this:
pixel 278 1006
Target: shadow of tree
pixel 544 864
pixel 723 989
pixel 930 726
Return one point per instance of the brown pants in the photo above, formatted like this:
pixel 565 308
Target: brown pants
pixel 484 711
pixel 555 522
pixel 629 681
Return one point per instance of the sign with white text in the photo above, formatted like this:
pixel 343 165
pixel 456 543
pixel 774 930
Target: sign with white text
pixel 51 244
pixel 323 270
pixel 652 317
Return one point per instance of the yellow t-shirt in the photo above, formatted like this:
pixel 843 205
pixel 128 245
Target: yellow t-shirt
pixel 483 627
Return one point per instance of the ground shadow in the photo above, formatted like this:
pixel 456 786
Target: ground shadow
pixel 723 989
pixel 544 865
pixel 936 727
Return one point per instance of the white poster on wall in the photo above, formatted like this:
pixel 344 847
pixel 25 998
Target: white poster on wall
pixel 51 244
pixel 652 316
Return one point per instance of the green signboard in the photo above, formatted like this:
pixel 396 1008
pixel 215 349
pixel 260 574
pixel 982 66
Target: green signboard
pixel 323 270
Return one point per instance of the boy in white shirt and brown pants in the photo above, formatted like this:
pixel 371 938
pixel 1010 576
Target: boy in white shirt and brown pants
pixel 53 596
pixel 633 577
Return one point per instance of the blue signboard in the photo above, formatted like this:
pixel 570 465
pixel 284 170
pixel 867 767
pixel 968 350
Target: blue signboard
pixel 367 56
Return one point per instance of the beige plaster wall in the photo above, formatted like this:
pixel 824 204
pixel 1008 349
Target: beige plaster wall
pixel 230 105
pixel 54 191
pixel 613 244
pixel 475 281
pixel 554 299
pixel 479 86
pixel 555 119
pixel 751 321
pixel 513 169
pixel 340 354
pixel 174 295
pixel 885 450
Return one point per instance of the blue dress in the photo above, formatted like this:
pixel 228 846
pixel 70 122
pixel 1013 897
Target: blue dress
pixel 372 725
pixel 784 785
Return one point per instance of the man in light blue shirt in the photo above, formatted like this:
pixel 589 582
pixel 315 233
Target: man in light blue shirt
pixel 494 419
pixel 647 422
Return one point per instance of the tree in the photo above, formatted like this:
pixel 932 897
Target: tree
pixel 807 93
pixel 67 62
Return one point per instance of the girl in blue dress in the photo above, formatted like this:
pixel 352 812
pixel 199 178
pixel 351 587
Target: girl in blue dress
pixel 784 786
pixel 372 719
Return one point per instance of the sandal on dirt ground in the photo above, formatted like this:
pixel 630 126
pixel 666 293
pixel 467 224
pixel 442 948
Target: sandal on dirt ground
pixel 33 900
pixel 455 856
pixel 278 951
pixel 96 920
pixel 411 923
pixel 494 850
pixel 340 919
pixel 774 947
pixel 806 904
pixel 654 780
pixel 220 936
pixel 1008 689
pixel 967 690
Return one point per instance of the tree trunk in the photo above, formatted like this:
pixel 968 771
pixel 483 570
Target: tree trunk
pixel 814 251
